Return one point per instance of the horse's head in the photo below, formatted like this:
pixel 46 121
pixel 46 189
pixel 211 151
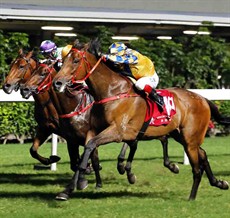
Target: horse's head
pixel 20 70
pixel 76 67
pixel 40 80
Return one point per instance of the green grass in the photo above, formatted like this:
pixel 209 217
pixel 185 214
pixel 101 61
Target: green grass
pixel 29 193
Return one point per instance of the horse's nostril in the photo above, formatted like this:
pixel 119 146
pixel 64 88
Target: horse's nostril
pixel 25 89
pixel 7 85
pixel 7 88
pixel 58 84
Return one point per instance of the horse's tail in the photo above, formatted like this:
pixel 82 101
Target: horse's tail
pixel 217 115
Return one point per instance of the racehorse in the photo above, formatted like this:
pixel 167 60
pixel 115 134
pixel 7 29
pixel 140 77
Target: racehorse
pixel 118 113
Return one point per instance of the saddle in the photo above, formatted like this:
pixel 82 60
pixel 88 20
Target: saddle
pixel 153 113
pixel 156 117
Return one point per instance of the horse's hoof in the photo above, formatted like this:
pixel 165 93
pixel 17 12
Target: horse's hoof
pixel 121 169
pixel 54 159
pixel 82 184
pixel 98 186
pixel 62 197
pixel 174 168
pixel 225 185
pixel 132 178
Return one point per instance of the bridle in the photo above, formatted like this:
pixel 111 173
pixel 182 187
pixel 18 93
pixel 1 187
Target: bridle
pixel 83 60
pixel 27 67
pixel 47 82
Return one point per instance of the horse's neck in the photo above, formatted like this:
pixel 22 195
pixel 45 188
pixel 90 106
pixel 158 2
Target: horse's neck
pixel 44 103
pixel 64 102
pixel 104 83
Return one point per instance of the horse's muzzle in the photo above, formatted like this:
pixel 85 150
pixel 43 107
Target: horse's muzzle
pixel 59 86
pixel 26 92
pixel 8 88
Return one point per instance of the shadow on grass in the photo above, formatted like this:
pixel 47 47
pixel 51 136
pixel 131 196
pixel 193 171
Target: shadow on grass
pixel 61 179
pixel 39 179
pixel 91 195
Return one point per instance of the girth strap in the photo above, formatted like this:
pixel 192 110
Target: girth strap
pixel 143 129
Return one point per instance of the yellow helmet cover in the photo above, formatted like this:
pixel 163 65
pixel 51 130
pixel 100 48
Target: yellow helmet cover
pixel 66 50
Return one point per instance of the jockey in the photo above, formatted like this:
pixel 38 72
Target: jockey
pixel 51 52
pixel 137 66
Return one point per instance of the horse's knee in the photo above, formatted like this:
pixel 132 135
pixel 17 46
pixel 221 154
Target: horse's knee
pixel 197 175
pixel 33 152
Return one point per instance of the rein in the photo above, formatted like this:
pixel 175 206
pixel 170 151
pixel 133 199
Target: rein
pixel 90 71
pixel 75 113
pixel 116 97
pixel 83 60
pixel 81 110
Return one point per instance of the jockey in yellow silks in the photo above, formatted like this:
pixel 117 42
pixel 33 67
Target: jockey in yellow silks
pixel 137 66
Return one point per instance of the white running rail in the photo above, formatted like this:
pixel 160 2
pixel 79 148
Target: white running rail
pixel 211 94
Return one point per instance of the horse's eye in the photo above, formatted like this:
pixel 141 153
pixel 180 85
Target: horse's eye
pixel 75 61
pixel 43 74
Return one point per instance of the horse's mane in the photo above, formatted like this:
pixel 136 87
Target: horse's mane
pixel 78 45
pixel 94 47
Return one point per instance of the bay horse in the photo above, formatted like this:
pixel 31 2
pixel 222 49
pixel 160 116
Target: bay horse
pixel 119 113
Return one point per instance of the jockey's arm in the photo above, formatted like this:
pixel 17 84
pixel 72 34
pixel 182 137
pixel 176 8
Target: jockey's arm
pixel 125 59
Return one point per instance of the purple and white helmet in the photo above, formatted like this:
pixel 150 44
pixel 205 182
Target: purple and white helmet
pixel 47 46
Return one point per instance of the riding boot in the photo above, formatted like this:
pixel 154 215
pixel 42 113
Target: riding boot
pixel 157 98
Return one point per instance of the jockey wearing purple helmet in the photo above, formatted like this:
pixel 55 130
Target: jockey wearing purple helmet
pixel 50 51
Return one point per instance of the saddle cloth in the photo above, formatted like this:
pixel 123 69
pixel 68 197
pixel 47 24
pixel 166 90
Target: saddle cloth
pixel 160 118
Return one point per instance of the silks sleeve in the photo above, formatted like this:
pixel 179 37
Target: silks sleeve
pixel 124 59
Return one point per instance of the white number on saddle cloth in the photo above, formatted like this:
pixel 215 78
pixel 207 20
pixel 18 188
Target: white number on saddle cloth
pixel 169 104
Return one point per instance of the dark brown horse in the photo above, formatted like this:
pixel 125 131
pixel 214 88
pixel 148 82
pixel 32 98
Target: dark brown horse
pixel 119 114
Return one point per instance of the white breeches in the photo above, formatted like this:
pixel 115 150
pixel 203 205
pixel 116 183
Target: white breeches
pixel 148 80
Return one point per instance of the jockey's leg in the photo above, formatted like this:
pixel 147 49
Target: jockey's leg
pixel 148 85
pixel 157 98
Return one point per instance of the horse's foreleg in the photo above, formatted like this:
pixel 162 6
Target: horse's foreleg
pixel 65 194
pixel 96 167
pixel 167 163
pixel 39 139
pixel 121 159
pixel 131 177
pixel 206 167
pixel 106 136
pixel 73 151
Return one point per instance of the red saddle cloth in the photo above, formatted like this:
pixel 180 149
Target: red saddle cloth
pixel 161 118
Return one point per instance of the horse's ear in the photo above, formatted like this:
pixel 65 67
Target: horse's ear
pixel 20 52
pixel 76 42
pixel 30 53
pixel 95 47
